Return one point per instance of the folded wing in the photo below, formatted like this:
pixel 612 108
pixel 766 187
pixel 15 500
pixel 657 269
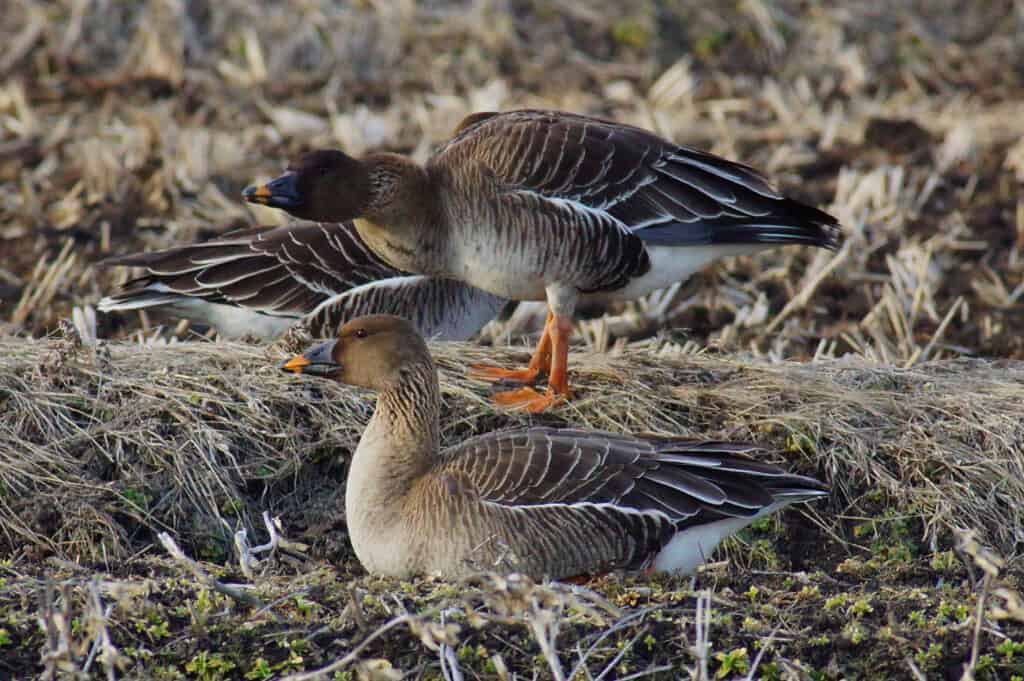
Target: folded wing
pixel 664 193
pixel 613 485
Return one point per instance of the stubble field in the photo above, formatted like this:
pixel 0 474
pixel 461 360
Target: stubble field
pixel 891 369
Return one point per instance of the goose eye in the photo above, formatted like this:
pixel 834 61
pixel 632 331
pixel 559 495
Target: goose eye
pixel 361 333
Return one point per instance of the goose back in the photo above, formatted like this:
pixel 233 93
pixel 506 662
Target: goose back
pixel 608 209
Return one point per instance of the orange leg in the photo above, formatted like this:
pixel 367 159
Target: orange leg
pixel 559 378
pixel 528 399
pixel 539 363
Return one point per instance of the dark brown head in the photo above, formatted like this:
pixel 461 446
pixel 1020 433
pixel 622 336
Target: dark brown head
pixel 328 185
pixel 372 352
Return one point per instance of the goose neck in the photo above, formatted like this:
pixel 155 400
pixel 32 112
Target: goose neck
pixel 404 432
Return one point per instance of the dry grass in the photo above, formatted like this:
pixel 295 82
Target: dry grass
pixel 109 150
pixel 198 438
pixel 129 126
pixel 104 447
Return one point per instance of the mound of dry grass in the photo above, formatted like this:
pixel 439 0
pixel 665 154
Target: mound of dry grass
pixel 111 445
pixel 102 448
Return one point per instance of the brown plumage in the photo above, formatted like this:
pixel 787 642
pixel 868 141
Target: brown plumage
pixel 263 280
pixel 546 205
pixel 547 502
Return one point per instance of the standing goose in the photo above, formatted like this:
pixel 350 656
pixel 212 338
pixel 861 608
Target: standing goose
pixel 547 502
pixel 545 205
pixel 263 280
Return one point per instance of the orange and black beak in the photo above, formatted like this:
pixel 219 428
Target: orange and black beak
pixel 282 192
pixel 317 361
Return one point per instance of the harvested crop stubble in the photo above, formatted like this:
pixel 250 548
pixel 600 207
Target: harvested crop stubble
pixel 103 447
pixel 134 126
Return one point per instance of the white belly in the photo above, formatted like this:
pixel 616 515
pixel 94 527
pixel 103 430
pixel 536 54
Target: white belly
pixel 511 276
pixel 234 322
pixel 670 264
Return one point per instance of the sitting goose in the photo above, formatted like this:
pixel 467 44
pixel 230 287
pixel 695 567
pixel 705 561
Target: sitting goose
pixel 551 503
pixel 545 205
pixel 263 280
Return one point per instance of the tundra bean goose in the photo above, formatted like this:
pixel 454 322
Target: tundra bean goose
pixel 547 502
pixel 545 205
pixel 261 281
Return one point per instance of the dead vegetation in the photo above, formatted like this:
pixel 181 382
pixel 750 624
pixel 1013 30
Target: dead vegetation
pixel 197 438
pixel 130 126
pixel 902 125
pixel 106 447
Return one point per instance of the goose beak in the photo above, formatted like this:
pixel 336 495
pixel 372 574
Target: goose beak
pixel 282 192
pixel 317 361
pixel 295 364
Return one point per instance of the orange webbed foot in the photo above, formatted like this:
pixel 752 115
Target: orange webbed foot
pixel 528 400
pixel 540 363
pixel 486 372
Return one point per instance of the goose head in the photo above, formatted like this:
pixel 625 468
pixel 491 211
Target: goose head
pixel 371 352
pixel 328 185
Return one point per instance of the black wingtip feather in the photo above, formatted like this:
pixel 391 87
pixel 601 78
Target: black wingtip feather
pixel 792 223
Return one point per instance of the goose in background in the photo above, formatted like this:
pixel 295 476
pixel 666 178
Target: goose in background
pixel 550 206
pixel 263 280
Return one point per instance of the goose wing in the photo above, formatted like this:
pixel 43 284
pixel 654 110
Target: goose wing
pixel 615 500
pixel 439 308
pixel 284 271
pixel 661 192
pixel 320 271
pixel 681 479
